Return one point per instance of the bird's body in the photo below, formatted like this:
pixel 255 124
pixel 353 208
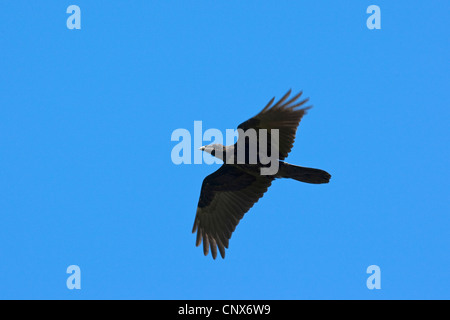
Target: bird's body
pixel 250 166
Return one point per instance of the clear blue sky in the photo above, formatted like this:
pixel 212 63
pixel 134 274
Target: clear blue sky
pixel 86 176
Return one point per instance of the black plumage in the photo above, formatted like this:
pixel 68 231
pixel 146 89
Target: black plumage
pixel 228 193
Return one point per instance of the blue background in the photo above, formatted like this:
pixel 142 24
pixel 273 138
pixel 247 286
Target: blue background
pixel 86 176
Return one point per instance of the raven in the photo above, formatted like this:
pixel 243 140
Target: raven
pixel 228 193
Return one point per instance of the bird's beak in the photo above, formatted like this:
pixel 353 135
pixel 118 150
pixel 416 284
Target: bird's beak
pixel 202 148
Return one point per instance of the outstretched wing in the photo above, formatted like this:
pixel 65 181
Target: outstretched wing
pixel 226 195
pixel 284 116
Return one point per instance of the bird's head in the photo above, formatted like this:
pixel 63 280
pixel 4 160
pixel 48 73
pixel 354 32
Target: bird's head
pixel 216 150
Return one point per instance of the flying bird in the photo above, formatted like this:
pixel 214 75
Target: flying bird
pixel 228 193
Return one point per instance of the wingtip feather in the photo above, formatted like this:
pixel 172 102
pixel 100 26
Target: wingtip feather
pixel 268 104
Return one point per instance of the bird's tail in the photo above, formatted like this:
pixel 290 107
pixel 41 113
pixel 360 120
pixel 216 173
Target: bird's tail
pixel 303 174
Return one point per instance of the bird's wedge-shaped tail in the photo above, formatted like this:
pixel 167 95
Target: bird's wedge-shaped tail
pixel 303 174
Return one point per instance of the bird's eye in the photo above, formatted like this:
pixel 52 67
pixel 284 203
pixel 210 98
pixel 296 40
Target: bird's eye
pixel 213 152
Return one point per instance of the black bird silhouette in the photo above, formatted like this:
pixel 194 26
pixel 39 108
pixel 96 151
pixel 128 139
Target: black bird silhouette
pixel 228 193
